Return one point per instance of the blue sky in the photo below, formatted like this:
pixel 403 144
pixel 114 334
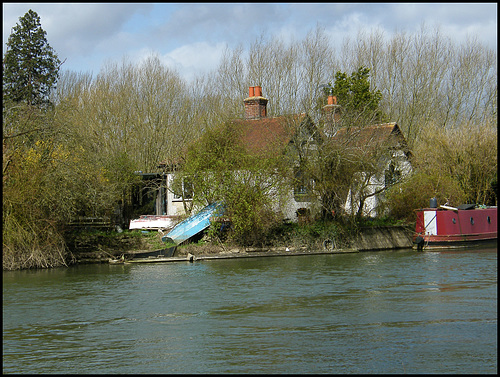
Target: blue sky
pixel 191 37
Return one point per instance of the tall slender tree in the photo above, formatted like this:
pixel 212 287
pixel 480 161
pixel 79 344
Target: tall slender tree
pixel 31 66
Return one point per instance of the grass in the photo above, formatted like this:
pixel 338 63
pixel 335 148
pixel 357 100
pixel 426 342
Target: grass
pixel 113 242
pixel 311 235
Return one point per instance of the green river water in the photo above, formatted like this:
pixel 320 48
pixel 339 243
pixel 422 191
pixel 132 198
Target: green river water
pixel 371 312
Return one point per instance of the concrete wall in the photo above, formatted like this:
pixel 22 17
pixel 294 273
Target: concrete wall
pixel 378 238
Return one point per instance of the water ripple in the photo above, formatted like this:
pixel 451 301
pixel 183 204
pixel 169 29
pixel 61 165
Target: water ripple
pixel 385 312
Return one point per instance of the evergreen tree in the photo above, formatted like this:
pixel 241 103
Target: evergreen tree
pixel 31 66
pixel 359 104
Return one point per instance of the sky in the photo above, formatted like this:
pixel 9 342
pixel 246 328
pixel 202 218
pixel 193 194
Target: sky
pixel 191 37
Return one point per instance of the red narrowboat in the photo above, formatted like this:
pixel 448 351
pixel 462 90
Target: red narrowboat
pixel 448 227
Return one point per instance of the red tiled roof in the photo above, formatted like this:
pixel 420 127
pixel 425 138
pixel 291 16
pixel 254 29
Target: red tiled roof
pixel 267 135
pixel 370 136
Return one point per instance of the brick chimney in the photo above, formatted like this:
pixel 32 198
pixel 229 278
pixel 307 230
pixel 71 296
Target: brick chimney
pixel 331 111
pixel 255 104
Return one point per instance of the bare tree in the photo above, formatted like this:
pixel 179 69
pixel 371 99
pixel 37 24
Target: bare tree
pixel 425 78
pixel 316 65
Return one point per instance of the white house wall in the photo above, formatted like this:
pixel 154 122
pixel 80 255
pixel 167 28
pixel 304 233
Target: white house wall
pixel 174 206
pixel 370 206
pixel 287 206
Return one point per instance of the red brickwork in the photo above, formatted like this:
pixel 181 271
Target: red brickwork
pixel 255 104
pixel 255 107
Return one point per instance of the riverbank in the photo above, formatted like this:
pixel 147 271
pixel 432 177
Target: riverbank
pixel 131 244
pixel 238 253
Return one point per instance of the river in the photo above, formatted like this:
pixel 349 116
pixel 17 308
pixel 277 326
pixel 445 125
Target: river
pixel 371 312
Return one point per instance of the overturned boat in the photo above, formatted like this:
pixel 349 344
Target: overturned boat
pixel 193 225
pixel 446 227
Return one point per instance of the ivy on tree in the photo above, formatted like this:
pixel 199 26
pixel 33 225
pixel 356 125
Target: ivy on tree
pixel 31 66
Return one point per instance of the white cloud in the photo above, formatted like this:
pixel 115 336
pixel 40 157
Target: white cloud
pixel 76 29
pixel 196 58
pixel 481 31
pixel 191 37
pixel 189 60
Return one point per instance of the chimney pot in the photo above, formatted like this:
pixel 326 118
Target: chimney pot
pixel 258 91
pixel 251 91
pixel 331 111
pixel 332 100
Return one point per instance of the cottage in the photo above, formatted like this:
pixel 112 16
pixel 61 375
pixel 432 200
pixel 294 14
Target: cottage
pixel 270 136
pixel 385 149
pixel 263 135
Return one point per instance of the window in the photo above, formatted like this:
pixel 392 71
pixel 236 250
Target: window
pixel 392 175
pixel 302 189
pixel 187 191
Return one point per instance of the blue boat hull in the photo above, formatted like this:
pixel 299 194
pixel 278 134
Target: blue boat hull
pixel 192 225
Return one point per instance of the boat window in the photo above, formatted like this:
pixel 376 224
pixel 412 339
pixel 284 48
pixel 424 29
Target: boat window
pixel 454 221
pixel 472 221
pixel 489 220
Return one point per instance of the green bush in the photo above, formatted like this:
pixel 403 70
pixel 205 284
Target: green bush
pixel 416 192
pixel 310 235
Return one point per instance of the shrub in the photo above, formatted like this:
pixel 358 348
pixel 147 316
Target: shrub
pixel 416 192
